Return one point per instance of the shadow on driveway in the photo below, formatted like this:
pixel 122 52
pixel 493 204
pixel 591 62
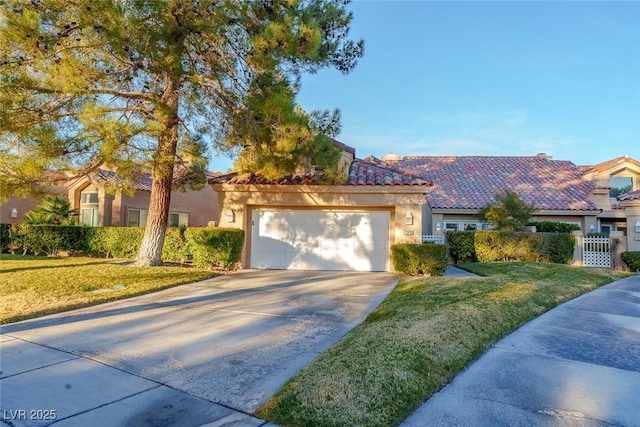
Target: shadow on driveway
pixel 231 341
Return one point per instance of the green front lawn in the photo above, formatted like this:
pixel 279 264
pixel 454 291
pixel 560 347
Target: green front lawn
pixel 426 331
pixel 35 286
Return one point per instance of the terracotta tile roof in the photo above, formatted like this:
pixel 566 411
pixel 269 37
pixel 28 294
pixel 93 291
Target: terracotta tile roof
pixel 344 147
pixel 258 179
pixel 141 182
pixel 632 195
pixel 471 182
pixel 372 171
pixel 601 167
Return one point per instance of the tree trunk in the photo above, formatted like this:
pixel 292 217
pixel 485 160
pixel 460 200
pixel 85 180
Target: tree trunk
pixel 150 253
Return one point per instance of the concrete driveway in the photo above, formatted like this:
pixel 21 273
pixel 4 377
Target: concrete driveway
pixel 206 353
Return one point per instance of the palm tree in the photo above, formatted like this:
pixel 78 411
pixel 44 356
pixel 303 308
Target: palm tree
pixel 54 210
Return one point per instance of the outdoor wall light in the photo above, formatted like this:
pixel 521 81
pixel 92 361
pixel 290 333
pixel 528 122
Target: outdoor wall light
pixel 438 226
pixel 637 227
pixel 231 216
pixel 592 228
pixel 409 218
pixel 14 213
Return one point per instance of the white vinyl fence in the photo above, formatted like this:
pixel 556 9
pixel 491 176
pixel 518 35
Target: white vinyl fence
pixel 596 252
pixel 435 238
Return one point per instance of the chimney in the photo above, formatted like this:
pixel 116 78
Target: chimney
pixel 390 157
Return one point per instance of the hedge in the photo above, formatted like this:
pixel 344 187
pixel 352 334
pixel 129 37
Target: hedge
pixel 5 239
pixel 215 247
pixel 462 246
pixel 429 259
pixel 46 239
pixel 508 246
pixel 554 226
pixel 632 260
pixel 489 246
pixel 116 242
pixel 209 247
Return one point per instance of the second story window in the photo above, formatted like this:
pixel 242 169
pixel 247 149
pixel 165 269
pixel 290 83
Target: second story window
pixel 620 185
pixel 89 198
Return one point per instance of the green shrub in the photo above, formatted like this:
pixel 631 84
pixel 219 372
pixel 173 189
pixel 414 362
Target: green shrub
pixel 116 242
pixel 176 248
pixel 429 259
pixel 525 247
pixel 215 247
pixel 46 239
pixel 632 260
pixel 508 246
pixel 5 239
pixel 559 247
pixel 461 246
pixel 554 226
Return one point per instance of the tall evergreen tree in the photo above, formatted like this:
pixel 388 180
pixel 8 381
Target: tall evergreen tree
pixel 86 84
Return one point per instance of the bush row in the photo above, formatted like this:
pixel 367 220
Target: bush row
pixel 489 246
pixel 206 247
pixel 429 259
pixel 554 226
pixel 632 260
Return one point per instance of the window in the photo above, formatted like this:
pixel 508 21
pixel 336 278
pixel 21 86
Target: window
pixel 620 185
pixel 89 198
pixel 89 217
pixel 466 225
pixel 450 226
pixel 137 218
pixel 178 219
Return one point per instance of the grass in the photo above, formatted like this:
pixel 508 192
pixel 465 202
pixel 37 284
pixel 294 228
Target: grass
pixel 36 286
pixel 427 330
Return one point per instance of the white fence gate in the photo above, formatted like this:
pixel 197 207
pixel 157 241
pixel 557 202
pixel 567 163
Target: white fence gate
pixel 435 238
pixel 596 252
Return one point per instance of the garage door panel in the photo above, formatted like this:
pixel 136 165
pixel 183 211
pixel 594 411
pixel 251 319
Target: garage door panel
pixel 320 240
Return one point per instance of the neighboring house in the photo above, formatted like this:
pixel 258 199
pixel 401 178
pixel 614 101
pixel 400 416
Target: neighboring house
pixel 98 207
pixel 612 179
pixel 465 184
pixel 630 202
pixel 13 210
pixel 296 223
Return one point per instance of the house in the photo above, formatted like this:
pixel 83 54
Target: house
pixel 465 184
pixel 298 224
pixel 13 210
pixel 99 207
pixel 612 179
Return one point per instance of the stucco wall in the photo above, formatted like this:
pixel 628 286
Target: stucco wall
pixel 398 201
pixel 202 205
pixel 632 209
pixel 22 206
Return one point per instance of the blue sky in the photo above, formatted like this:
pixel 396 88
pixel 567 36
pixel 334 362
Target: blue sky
pixel 489 78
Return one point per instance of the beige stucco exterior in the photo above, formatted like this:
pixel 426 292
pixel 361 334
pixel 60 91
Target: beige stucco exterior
pixel 618 216
pixel 238 201
pixel 632 210
pixel 23 205
pixel 201 205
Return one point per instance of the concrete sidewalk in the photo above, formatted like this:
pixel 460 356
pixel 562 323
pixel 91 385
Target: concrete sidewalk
pixel 208 353
pixel 578 365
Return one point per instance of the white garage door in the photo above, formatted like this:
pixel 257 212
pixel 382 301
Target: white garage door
pixel 320 240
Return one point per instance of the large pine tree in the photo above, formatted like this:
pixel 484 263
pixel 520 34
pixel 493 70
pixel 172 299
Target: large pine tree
pixel 86 84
